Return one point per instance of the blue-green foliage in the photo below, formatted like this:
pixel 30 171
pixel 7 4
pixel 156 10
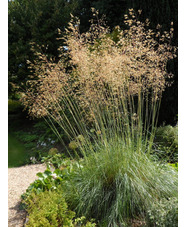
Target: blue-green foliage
pixel 117 184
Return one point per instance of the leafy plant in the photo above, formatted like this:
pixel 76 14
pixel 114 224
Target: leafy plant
pixel 36 146
pixel 46 134
pixel 50 209
pixel 166 143
pixel 33 21
pixel 14 106
pixel 58 161
pixel 46 181
pixel 174 165
pixel 50 179
pixel 164 213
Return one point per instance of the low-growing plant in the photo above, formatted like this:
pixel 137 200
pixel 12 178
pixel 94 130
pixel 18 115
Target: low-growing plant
pixel 164 213
pixel 45 133
pixel 47 181
pixel 50 209
pixel 50 179
pixel 166 143
pixel 174 165
pixel 58 161
pixel 53 151
pixel 35 146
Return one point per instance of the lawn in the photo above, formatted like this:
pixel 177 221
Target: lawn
pixel 16 152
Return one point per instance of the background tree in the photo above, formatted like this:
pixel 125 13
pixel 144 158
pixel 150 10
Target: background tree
pixel 33 21
pixel 37 21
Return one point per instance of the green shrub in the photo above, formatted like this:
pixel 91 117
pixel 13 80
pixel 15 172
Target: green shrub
pixel 53 151
pixel 14 106
pixel 28 138
pixel 50 209
pixel 50 180
pixel 45 133
pixel 47 181
pixel 37 146
pixel 164 213
pixel 117 184
pixel 166 143
pixel 174 165
pixel 57 161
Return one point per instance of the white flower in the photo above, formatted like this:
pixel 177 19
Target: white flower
pixel 54 175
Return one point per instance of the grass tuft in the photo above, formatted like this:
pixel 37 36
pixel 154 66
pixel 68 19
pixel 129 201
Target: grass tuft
pixel 116 184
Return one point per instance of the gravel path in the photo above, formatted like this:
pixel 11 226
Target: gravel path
pixel 18 181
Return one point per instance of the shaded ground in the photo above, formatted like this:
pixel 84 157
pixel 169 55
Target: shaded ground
pixel 19 179
pixel 16 152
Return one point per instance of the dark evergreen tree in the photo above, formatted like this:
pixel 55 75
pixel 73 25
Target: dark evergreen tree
pixel 37 21
pixel 33 21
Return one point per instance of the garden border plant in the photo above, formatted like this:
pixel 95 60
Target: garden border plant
pixel 49 208
pixel 112 93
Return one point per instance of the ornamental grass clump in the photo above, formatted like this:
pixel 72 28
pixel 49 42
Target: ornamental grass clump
pixel 117 184
pixel 103 83
pixel 108 93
